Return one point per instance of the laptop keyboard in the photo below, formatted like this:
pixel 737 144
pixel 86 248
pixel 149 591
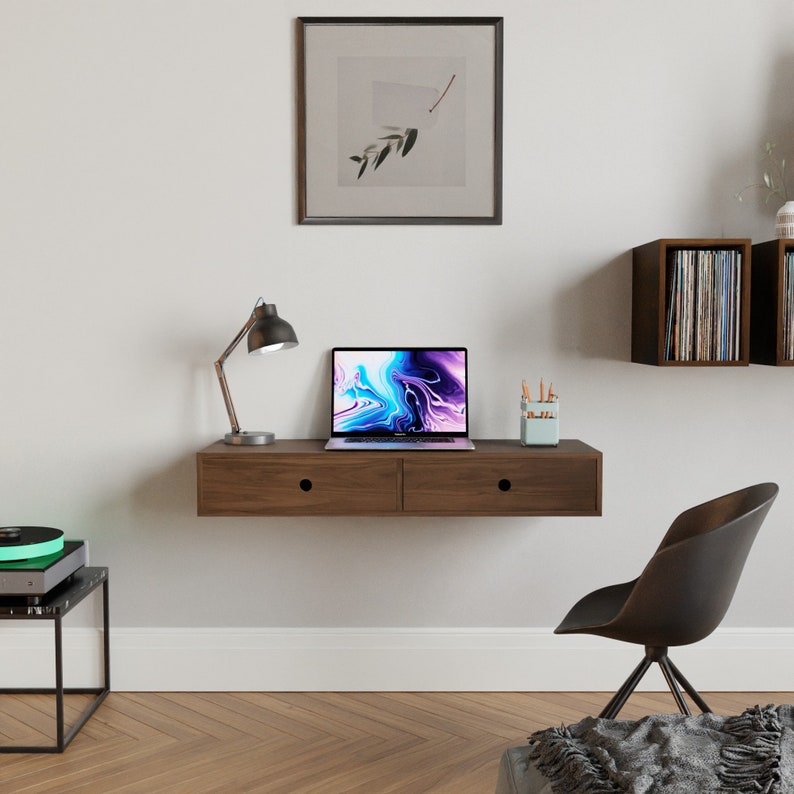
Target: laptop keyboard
pixel 402 440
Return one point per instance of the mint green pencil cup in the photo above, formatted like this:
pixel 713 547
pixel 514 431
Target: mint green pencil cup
pixel 540 424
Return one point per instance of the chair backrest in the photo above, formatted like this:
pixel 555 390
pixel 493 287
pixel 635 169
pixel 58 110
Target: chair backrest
pixel 687 587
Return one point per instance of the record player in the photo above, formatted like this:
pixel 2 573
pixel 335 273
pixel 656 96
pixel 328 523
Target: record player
pixel 36 560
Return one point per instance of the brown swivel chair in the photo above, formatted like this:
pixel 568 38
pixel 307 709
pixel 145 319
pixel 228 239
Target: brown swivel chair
pixel 684 591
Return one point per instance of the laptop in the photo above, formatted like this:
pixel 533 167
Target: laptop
pixel 399 398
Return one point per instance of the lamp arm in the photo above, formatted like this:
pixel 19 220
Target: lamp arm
pixel 227 397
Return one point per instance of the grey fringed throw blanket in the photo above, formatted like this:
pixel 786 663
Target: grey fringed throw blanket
pixel 671 753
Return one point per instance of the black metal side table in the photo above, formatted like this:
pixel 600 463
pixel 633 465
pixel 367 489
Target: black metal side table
pixel 54 607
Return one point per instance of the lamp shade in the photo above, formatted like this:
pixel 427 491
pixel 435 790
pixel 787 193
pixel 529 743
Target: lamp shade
pixel 269 332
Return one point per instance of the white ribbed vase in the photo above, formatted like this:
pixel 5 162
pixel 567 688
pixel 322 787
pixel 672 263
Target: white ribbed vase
pixel 784 222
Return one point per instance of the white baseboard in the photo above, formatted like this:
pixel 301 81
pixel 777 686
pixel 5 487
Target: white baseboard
pixel 222 659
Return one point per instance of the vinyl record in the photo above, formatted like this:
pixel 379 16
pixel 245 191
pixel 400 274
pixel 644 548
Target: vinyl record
pixel 24 543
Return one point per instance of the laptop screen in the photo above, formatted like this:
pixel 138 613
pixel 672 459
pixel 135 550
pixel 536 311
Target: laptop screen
pixel 398 392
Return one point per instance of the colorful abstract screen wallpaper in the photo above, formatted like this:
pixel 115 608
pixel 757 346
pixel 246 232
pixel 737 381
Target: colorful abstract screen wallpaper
pixel 418 390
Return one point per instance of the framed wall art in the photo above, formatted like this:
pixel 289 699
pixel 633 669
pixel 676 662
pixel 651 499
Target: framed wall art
pixel 400 120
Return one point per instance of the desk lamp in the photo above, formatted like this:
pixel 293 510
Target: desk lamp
pixel 267 333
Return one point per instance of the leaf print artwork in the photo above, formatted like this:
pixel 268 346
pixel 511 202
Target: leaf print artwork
pixel 403 109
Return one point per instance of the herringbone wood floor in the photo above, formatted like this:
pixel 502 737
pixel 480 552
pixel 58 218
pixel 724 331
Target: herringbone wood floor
pixel 306 743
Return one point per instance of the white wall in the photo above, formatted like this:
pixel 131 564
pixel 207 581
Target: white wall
pixel 147 199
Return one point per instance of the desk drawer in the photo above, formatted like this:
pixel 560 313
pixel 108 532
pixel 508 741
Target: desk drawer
pixel 502 485
pixel 297 485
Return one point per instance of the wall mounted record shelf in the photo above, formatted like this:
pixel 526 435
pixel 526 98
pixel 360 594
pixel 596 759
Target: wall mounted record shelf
pixel 691 303
pixel 772 316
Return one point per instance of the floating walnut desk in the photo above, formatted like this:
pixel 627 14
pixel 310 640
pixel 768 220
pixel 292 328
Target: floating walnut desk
pixel 498 478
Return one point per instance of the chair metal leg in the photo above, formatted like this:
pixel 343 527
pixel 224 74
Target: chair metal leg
pixel 610 711
pixel 688 688
pixel 672 675
pixel 669 676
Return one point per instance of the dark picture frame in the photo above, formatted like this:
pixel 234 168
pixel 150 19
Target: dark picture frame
pixel 400 120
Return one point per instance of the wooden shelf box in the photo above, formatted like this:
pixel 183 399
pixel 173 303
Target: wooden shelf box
pixel 769 342
pixel 653 279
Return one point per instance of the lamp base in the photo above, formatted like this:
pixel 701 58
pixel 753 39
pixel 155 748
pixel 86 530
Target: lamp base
pixel 250 437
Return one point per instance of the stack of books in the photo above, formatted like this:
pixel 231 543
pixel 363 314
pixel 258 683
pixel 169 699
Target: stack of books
pixel 788 307
pixel 704 305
